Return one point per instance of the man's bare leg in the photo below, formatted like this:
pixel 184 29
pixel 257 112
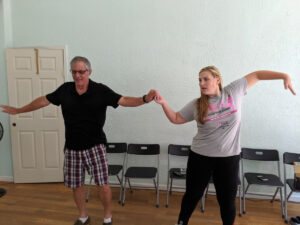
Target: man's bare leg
pixel 106 196
pixel 79 198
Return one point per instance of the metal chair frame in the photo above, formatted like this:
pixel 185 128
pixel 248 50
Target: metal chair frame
pixel 139 172
pixel 288 160
pixel 178 151
pixel 269 155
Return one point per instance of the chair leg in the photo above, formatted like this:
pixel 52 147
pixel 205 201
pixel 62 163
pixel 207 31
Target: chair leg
pixel 247 188
pixel 167 200
pixel 155 185
pixel 286 201
pixel 282 208
pixel 240 201
pixel 157 193
pixel 131 191
pixel 274 195
pixel 120 195
pixel 171 186
pixel 89 190
pixel 203 202
pixel 206 193
pixel 118 178
pixel 242 175
pixel 244 200
pixel 124 192
pixel 285 205
pixel 204 196
pixel 289 195
pixel 121 188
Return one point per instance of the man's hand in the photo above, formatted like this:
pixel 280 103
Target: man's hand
pixel 150 96
pixel 34 105
pixel 10 110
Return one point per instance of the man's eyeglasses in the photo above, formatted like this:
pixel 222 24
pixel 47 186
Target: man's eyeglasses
pixel 81 72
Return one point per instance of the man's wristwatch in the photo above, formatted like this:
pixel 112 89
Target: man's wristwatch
pixel 144 99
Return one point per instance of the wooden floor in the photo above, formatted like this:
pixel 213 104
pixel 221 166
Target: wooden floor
pixel 52 204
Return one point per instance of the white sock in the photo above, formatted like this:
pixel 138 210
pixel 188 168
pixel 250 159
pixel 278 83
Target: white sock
pixel 83 219
pixel 107 220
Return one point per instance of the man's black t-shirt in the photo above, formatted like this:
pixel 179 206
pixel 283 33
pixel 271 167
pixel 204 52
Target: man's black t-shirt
pixel 84 114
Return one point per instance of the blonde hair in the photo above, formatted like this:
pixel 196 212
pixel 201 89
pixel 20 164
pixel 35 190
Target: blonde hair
pixel 203 101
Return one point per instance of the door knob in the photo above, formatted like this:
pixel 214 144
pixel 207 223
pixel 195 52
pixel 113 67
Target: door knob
pixel 14 124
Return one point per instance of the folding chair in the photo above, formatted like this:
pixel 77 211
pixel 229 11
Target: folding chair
pixel 148 152
pixel 179 152
pixel 239 191
pixel 289 159
pixel 264 179
pixel 114 169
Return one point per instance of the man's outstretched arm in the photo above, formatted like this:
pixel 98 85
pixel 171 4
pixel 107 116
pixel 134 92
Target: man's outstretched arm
pixel 137 101
pixel 34 105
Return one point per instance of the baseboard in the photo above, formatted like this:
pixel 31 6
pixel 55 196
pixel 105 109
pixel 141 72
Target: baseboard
pixel 6 178
pixel 138 185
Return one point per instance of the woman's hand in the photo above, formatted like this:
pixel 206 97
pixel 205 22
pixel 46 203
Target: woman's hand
pixel 159 99
pixel 288 84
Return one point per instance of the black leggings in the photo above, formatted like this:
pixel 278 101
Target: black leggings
pixel 225 174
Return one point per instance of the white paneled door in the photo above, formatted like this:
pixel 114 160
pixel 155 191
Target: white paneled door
pixel 37 137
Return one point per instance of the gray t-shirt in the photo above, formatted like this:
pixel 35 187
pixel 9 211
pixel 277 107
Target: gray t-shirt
pixel 219 136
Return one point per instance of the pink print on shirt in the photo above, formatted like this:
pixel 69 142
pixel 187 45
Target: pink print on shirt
pixel 217 109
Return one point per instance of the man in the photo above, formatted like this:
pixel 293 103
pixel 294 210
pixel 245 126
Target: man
pixel 84 104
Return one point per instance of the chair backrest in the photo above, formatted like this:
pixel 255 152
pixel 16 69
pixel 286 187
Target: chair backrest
pixel 143 149
pixel 179 150
pixel 260 154
pixel 116 147
pixel 290 158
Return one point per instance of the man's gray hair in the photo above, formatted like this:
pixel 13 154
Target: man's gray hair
pixel 81 59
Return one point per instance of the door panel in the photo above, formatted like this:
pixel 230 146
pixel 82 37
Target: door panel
pixel 27 149
pixel 37 137
pixel 52 150
pixel 24 94
pixel 47 86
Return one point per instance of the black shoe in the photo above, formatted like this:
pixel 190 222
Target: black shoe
pixel 180 223
pixel 2 192
pixel 294 221
pixel 78 222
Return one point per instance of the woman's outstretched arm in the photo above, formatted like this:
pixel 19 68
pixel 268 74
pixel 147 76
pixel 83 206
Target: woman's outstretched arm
pixel 173 116
pixel 253 78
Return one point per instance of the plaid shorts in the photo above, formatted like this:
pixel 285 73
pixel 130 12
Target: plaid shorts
pixel 92 160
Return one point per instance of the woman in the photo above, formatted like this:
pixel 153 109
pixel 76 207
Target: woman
pixel 216 146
